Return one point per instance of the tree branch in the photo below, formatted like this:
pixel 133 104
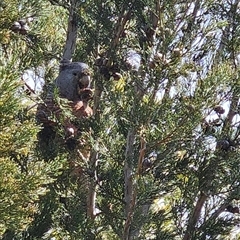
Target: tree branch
pixel 195 216
pixel 91 197
pixel 129 195
pixel 72 31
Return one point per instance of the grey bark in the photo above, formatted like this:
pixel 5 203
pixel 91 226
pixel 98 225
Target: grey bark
pixel 128 183
pixel 195 216
pixel 72 30
pixel 91 197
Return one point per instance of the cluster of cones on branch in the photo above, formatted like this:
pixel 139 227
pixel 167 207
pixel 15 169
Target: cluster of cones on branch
pixel 232 209
pixel 80 107
pixel 22 26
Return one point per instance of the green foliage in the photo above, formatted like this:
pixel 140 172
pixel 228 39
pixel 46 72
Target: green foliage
pixel 189 66
pixel 44 38
pixel 24 176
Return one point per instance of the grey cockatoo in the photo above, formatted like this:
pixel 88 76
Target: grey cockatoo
pixel 72 79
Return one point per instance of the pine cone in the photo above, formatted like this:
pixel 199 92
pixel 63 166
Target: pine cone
pixel 81 109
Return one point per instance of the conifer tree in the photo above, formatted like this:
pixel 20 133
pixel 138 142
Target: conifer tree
pixel 163 141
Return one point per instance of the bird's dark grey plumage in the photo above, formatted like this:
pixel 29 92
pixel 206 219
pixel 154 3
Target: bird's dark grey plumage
pixel 72 78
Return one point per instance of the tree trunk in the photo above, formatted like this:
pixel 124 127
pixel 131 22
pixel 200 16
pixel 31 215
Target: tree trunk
pixel 195 216
pixel 129 195
pixel 91 197
pixel 72 31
